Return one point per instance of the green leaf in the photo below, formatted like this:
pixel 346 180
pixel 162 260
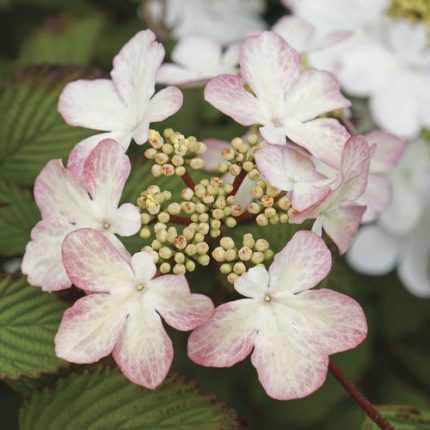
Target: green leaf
pixel 102 398
pixel 402 418
pixel 29 319
pixel 17 218
pixel 62 40
pixel 31 130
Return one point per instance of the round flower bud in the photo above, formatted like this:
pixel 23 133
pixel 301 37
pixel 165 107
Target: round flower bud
pixel 191 249
pixel 257 192
pixel 254 174
pixel 228 188
pixel 254 208
pixel 156 170
pixel 168 170
pixel 145 218
pixel 267 201
pixel 201 148
pixel 145 233
pixel 228 153
pixel 261 245
pixel 202 248
pixel 188 232
pixel 236 142
pixel 283 218
pixel 197 163
pixel 230 255
pixel 174 208
pixel 161 158
pixel 284 203
pixel 167 195
pixel 187 194
pixel 272 191
pixel 227 243
pixel 190 266
pixel 257 258
pixel 235 169
pixel 165 253
pixel 204 259
pixel 218 254
pixel 236 210
pixel 232 278
pixel 274 219
pixel 188 207
pixel 179 257
pixel 165 268
pixel 180 171
pixel 225 268
pixel 270 212
pixel 215 233
pixel 248 240
pixel 164 217
pixel 167 133
pixel 162 235
pixel 230 222
pixel 261 220
pixel 243 148
pixel 198 237
pixel 215 224
pixel 204 217
pixel 248 166
pixel 268 254
pixel 167 148
pixel 177 160
pixel 223 168
pixel 156 245
pixel 252 138
pixel 245 253
pixel 179 269
pixel 150 153
pixel 239 268
pixel 180 242
pixel 200 208
pixel 203 228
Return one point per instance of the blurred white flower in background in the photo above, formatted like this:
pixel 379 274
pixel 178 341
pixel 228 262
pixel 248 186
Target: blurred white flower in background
pixel 224 20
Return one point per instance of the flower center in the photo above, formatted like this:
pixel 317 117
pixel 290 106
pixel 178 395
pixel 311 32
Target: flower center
pixel 267 298
pixel 106 225
pixel 140 287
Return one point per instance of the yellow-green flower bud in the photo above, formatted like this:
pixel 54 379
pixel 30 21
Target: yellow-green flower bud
pixel 227 243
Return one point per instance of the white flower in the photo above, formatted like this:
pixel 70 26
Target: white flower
pixel 289 329
pixel 68 203
pixel 400 237
pixel 224 20
pixel 121 313
pixel 124 107
pixel 196 59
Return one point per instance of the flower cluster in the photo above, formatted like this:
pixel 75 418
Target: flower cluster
pixel 296 163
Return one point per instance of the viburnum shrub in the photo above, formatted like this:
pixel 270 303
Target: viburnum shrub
pixel 300 163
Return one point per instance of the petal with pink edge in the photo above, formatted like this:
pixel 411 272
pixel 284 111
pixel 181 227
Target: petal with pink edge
pixel 377 197
pixel 174 302
pixel 270 67
pixel 90 329
pixel 135 68
pixel 105 171
pixel 300 265
pixel 212 157
pixel 144 351
pixel 342 224
pixel 228 337
pixel 325 138
pixel 93 104
pixel 227 94
pixel 94 264
pixel 315 92
pixel 42 261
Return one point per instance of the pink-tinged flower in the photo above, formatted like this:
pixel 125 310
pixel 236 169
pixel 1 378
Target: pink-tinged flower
pixel 125 106
pixel 196 60
pixel 388 152
pixel 293 171
pixel 273 91
pixel 302 35
pixel 122 312
pixel 67 205
pixel 290 329
pixel 339 213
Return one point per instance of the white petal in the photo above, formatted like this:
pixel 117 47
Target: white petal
pixel 377 197
pixel 126 220
pixel 90 329
pixel 297 32
pixel 302 264
pixel 374 251
pixel 94 104
pixel 254 283
pixel 143 266
pixel 164 104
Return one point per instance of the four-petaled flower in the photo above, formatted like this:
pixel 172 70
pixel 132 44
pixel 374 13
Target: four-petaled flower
pixel 290 329
pixel 273 91
pixel 67 205
pixel 123 107
pixel 121 313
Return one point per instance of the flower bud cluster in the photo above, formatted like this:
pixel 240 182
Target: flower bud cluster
pixel 239 156
pixel 269 205
pixel 178 252
pixel 172 153
pixel 236 261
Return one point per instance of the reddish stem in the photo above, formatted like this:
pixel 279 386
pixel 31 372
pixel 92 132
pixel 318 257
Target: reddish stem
pixel 244 217
pixel 359 398
pixel 186 177
pixel 238 182
pixel 175 219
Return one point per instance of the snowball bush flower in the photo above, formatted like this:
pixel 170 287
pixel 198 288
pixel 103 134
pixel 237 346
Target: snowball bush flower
pixel 339 213
pixel 123 107
pixel 399 238
pixel 67 205
pixel 272 91
pixel 121 312
pixel 224 20
pixel 197 59
pixel 289 328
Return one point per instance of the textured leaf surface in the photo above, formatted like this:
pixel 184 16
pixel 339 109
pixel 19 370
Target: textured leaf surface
pixel 402 418
pixel 31 130
pixel 29 319
pixel 101 398
pixel 17 218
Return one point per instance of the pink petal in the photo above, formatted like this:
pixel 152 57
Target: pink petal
pixel 144 352
pixel 93 104
pixel 342 225
pixel 135 68
pixel 58 195
pixel 377 197
pixel 143 266
pixel 254 283
pixel 90 329
pixel 212 157
pixel 297 32
pixel 227 94
pixel 300 265
pixel 228 337
pixel 270 67
pixel 94 264
pixel 175 303
pixel 105 171
pixel 325 138
pixel 82 150
pixel 273 134
pixel 289 170
pixel 42 261
pixel 389 150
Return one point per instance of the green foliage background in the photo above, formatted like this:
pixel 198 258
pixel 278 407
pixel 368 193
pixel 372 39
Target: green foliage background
pixel 43 45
